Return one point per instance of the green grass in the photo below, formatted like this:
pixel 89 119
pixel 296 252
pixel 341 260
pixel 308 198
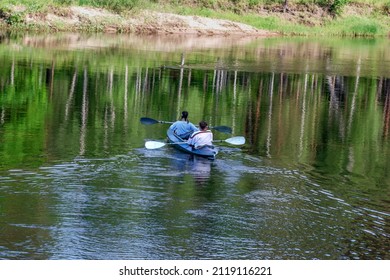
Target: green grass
pixel 357 26
pixel 271 23
pixel 351 26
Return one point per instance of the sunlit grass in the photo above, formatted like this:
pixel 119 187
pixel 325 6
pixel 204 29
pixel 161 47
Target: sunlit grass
pixel 356 26
pixel 351 26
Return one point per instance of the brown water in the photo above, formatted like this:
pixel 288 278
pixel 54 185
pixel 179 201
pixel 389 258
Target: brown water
pixel 76 182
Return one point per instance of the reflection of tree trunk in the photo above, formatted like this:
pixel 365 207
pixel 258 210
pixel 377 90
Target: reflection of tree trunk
pixel 84 114
pixel 334 84
pixel 153 81
pixel 353 103
pixel 258 113
pixel 146 84
pixel 2 117
pixel 271 88
pixel 179 91
pixel 13 72
pixel 331 86
pixel 351 154
pixel 214 78
pixel 52 79
pixel 217 93
pixel 138 85
pixel 379 88
pixel 220 82
pixel 218 77
pixel 105 139
pixel 71 93
pixel 126 96
pixel 205 82
pixel 109 110
pixel 189 78
pixel 219 90
pixel 112 107
pixel 234 101
pixel 280 137
pixel 351 159
pixel 316 104
pixel 216 81
pixel 40 79
pixel 386 112
pixel 303 116
pixel 182 63
pixel 249 130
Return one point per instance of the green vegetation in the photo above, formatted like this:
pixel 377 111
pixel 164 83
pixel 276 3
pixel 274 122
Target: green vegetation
pixel 291 17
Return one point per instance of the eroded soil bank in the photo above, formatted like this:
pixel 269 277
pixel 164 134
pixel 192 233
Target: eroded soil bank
pixel 362 20
pixel 77 18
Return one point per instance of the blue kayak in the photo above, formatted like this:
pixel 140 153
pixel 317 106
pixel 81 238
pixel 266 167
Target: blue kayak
pixel 207 152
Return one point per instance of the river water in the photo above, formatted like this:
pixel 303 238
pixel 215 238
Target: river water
pixel 311 182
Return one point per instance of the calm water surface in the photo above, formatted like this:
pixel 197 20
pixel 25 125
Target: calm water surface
pixel 311 182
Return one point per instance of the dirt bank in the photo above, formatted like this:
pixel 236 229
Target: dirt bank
pixel 92 19
pixel 355 20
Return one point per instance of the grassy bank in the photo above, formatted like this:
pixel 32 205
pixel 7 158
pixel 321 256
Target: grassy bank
pixel 292 17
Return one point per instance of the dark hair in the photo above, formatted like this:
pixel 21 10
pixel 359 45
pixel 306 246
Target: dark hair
pixel 184 115
pixel 202 125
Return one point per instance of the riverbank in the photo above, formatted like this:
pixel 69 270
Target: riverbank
pixel 299 19
pixel 76 18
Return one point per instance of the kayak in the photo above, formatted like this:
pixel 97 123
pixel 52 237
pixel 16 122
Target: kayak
pixel 207 152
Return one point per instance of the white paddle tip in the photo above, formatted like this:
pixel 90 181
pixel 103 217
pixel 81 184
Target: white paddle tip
pixel 154 145
pixel 237 140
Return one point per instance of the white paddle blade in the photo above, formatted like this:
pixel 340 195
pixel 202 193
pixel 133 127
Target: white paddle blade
pixel 154 145
pixel 238 140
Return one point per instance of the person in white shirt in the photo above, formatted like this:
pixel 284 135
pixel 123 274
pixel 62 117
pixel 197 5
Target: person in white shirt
pixel 201 138
pixel 183 128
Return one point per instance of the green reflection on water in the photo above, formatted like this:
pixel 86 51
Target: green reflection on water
pixel 93 98
pixel 321 108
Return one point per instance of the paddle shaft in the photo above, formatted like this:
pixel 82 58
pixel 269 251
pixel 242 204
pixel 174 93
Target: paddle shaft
pixel 148 121
pixel 237 140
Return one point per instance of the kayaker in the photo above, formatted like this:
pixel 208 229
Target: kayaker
pixel 183 127
pixel 201 138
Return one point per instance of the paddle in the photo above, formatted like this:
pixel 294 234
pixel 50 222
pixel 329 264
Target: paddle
pixel 222 128
pixel 149 121
pixel 237 140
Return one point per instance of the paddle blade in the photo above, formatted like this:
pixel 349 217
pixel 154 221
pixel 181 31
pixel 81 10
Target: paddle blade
pixel 223 129
pixel 148 121
pixel 154 145
pixel 238 140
